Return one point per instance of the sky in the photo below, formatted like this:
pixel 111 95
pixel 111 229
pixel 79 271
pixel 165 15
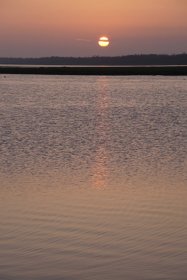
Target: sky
pixel 36 28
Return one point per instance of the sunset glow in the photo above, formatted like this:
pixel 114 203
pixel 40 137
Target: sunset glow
pixel 45 27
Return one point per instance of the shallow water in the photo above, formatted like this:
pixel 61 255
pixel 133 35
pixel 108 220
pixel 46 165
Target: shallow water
pixel 93 177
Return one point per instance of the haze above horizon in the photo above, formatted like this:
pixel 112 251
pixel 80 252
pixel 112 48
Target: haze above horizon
pixel 60 28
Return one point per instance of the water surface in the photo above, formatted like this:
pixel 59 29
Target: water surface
pixel 93 177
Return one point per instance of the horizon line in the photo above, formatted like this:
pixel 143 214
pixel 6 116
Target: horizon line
pixel 93 56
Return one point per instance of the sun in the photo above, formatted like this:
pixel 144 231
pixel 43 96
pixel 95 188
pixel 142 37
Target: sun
pixel 103 41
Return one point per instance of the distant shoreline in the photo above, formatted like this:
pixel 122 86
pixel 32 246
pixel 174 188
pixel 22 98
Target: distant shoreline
pixel 128 60
pixel 96 70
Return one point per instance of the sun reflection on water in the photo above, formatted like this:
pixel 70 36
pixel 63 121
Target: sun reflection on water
pixel 99 168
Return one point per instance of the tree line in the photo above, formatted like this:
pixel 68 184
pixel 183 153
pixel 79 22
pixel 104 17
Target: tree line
pixel 137 59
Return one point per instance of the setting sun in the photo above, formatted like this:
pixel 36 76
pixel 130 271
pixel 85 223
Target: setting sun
pixel 103 41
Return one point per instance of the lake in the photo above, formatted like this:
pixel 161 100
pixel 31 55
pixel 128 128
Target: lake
pixel 93 180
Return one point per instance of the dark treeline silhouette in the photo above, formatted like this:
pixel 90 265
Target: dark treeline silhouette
pixel 143 59
pixel 95 70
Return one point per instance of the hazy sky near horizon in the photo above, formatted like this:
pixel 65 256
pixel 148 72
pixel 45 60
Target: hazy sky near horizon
pixel 72 27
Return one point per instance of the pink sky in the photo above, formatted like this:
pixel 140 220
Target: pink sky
pixel 72 27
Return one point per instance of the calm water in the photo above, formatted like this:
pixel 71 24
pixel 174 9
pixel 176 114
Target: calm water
pixel 93 178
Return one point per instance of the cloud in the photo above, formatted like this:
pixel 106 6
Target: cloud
pixel 83 40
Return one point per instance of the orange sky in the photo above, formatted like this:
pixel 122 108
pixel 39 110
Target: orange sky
pixel 72 27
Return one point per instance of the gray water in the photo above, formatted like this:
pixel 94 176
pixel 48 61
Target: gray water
pixel 93 178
